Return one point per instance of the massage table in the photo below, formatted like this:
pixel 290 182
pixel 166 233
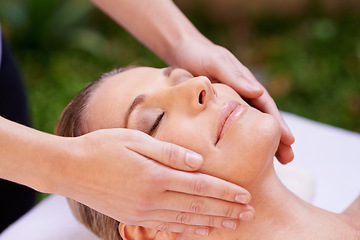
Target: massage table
pixel 325 172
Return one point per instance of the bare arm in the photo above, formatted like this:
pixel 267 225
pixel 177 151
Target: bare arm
pixel 159 24
pixel 29 156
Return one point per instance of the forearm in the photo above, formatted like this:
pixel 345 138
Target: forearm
pixel 159 24
pixel 32 158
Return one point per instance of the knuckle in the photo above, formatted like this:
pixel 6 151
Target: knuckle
pixel 225 193
pixel 239 74
pixel 216 56
pixel 197 207
pixel 183 218
pixel 212 221
pixel 155 179
pixel 147 204
pixel 170 154
pixel 132 137
pixel 200 187
pixel 214 60
pixel 231 212
pixel 149 196
pixel 163 227
pixel 134 216
pixel 189 230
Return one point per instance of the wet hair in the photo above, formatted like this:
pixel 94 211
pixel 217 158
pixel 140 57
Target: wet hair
pixel 72 123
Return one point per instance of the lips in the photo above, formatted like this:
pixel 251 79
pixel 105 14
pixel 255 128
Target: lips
pixel 228 114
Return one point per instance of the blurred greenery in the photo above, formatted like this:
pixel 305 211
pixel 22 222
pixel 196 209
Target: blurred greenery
pixel 314 67
pixel 308 60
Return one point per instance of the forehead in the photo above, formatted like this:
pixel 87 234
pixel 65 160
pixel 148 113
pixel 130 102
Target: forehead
pixel 109 102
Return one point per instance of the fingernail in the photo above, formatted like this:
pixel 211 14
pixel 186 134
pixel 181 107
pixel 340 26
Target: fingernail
pixel 247 216
pixel 290 136
pixel 229 224
pixel 242 198
pixel 202 232
pixel 193 160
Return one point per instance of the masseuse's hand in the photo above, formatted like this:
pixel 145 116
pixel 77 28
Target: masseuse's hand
pixel 126 174
pixel 217 63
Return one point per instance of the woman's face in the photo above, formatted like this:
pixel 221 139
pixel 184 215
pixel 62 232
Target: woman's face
pixel 236 141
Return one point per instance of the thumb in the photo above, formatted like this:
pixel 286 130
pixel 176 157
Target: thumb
pixel 166 153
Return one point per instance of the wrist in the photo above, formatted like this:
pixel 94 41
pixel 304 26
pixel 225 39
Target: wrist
pixel 65 171
pixel 183 40
pixel 76 175
pixel 42 161
pixel 179 34
pixel 55 165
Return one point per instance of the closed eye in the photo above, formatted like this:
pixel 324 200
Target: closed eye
pixel 156 123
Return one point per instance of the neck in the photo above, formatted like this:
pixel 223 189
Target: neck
pixel 282 215
pixel 278 210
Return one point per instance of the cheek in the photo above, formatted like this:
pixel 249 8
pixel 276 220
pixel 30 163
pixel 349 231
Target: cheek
pixel 248 149
pixel 227 93
pixel 187 134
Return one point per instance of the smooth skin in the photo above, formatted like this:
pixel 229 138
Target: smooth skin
pixel 75 167
pixel 179 108
pixel 164 29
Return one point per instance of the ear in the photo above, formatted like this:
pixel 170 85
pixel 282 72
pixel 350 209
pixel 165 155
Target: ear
pixel 132 232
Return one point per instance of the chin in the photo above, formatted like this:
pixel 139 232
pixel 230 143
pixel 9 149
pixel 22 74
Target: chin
pixel 249 148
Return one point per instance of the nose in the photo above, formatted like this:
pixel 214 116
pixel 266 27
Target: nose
pixel 196 92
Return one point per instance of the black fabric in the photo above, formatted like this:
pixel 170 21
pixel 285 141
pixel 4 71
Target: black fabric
pixel 15 199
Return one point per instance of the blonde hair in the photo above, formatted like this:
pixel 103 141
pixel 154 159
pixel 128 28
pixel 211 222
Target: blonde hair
pixel 72 123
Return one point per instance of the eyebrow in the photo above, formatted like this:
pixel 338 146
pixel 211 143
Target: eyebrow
pixel 141 98
pixel 138 100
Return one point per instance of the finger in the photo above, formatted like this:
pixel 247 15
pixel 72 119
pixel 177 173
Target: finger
pixel 284 153
pixel 206 206
pixel 192 219
pixel 205 185
pixel 176 227
pixel 266 104
pixel 237 76
pixel 166 153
